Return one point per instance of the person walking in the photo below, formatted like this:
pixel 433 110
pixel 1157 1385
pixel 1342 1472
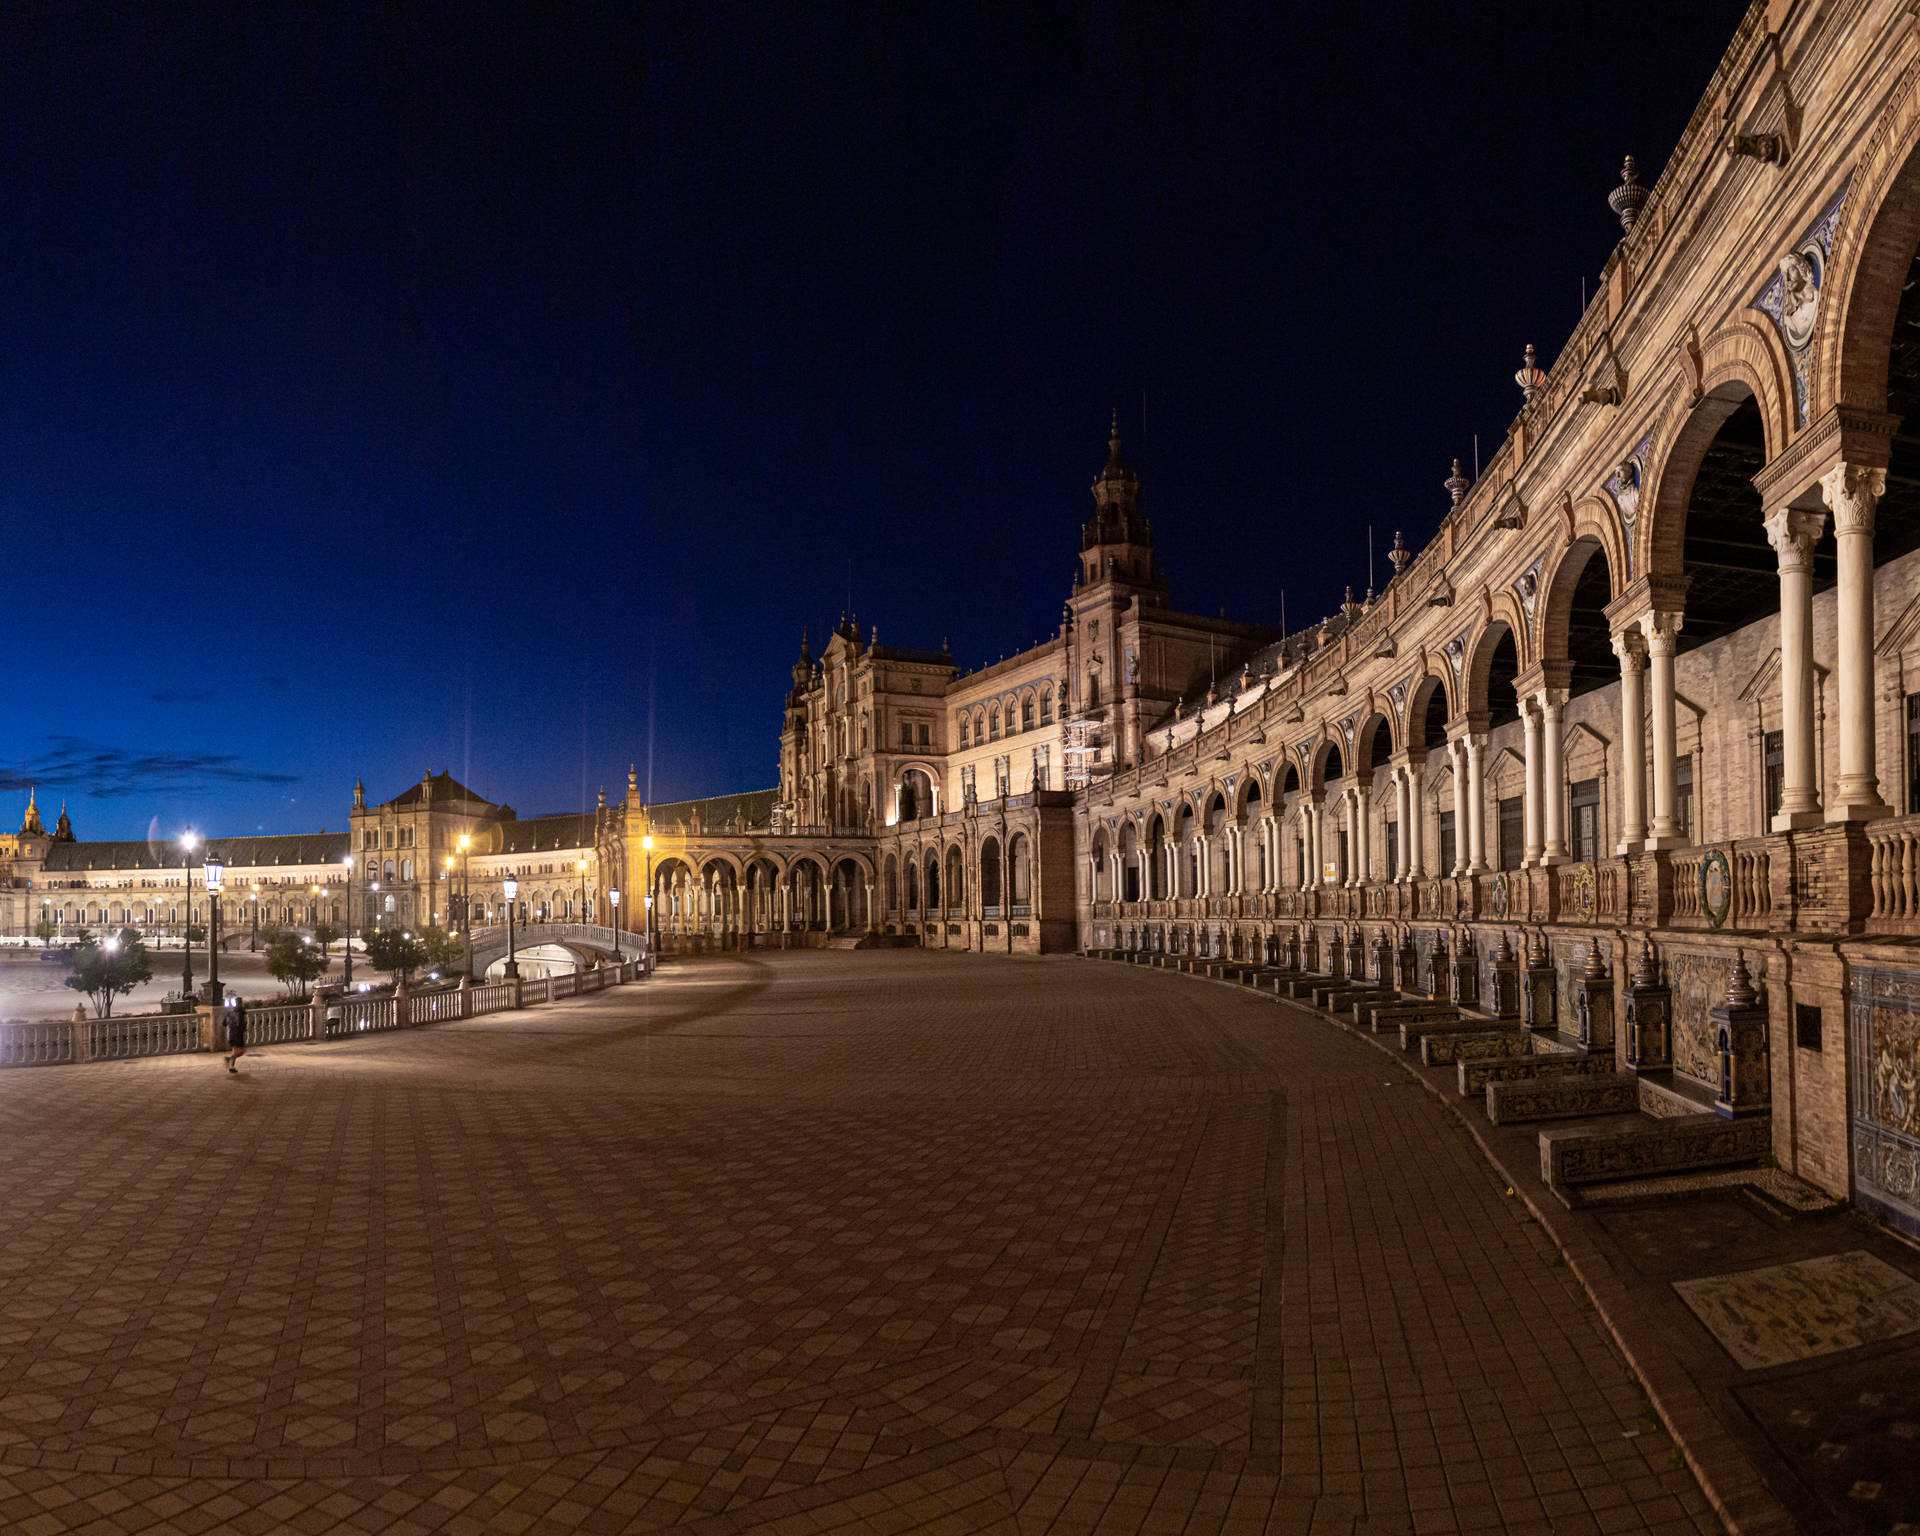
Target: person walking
pixel 236 1033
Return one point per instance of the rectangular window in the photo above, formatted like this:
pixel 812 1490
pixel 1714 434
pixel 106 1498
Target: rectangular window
pixel 968 794
pixel 1040 768
pixel 1447 859
pixel 926 735
pixel 1773 758
pixel 1586 820
pixel 1806 1026
pixel 1340 855
pixel 1683 797
pixel 1046 707
pixel 1393 851
pixel 1513 832
pixel 906 733
pixel 1913 754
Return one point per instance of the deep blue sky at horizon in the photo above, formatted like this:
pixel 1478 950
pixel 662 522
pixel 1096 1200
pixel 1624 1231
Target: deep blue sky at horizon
pixel 502 389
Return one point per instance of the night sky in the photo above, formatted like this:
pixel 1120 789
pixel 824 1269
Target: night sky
pixel 502 388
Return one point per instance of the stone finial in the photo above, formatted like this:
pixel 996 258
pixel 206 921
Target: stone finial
pixel 1629 197
pixel 1740 992
pixel 1399 555
pixel 1530 376
pixel 1505 952
pixel 1456 484
pixel 1595 969
pixel 1646 970
pixel 1536 949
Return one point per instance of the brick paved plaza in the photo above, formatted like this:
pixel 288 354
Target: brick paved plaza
pixel 880 1241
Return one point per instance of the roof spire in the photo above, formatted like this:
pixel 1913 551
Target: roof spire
pixel 1113 438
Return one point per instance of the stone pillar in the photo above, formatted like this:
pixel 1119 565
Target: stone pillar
pixel 1553 777
pixel 1740 1035
pixel 1539 988
pixel 1853 493
pixel 1403 850
pixel 1477 801
pixel 1793 533
pixel 1439 972
pixel 1363 821
pixel 1462 833
pixel 1631 648
pixel 1415 831
pixel 1649 1017
pixel 1593 996
pixel 1530 729
pixel 1663 634
pixel 1505 1002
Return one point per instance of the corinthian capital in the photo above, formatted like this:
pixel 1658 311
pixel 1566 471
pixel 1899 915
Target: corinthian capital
pixel 1631 647
pixel 1793 533
pixel 1853 491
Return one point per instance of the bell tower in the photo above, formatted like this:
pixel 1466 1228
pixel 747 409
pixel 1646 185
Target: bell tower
pixel 1116 544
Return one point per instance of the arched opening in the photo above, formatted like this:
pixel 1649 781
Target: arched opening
pixel 1020 875
pixel 1333 830
pixel 933 880
pixel 916 795
pixel 956 880
pixel 762 877
pixel 913 885
pixel 1156 859
pixel 890 883
pixel 1129 864
pixel 1099 883
pixel 1254 876
pixel 847 897
pixel 1219 848
pixel 990 877
pixel 1186 853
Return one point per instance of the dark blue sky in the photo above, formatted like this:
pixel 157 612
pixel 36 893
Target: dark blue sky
pixel 502 388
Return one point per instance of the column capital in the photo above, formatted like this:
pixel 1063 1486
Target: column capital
pixel 1648 594
pixel 1548 676
pixel 1662 631
pixel 1853 491
pixel 1793 531
pixel 1631 647
pixel 1842 432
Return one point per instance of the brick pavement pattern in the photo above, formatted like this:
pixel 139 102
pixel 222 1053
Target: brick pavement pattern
pixel 877 1241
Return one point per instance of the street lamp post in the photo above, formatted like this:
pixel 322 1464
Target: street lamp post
pixel 512 887
pixel 583 890
pixel 215 871
pixel 347 981
pixel 647 843
pixel 613 896
pixel 466 897
pixel 253 934
pixel 188 842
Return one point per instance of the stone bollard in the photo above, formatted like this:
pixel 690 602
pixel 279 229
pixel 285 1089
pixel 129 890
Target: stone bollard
pixel 1593 996
pixel 209 1029
pixel 1505 1002
pixel 82 1036
pixel 1649 1016
pixel 1740 1034
pixel 319 1022
pixel 1539 989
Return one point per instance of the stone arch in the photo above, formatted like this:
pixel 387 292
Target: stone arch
pixel 956 881
pixel 1421 691
pixel 1478 671
pixel 930 879
pixel 1873 251
pixel 1662 539
pixel 1027 706
pixel 1555 603
pixel 990 882
pixel 1248 795
pixel 916 789
pixel 1365 739
pixel 1326 759
pixel 1019 873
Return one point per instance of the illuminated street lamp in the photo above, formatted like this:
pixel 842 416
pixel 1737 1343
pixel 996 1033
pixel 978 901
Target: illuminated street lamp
pixel 512 887
pixel 466 898
pixel 583 890
pixel 188 842
pixel 215 872
pixel 614 897
pixel 253 935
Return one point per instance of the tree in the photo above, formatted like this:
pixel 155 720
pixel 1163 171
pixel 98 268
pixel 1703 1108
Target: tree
pixel 196 933
pixel 292 960
pixel 396 951
pixel 104 971
pixel 442 950
pixel 44 932
pixel 325 935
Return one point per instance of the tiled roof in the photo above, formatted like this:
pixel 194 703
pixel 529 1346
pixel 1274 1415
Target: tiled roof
pixel 239 852
pixel 540 834
pixel 754 808
pixel 445 788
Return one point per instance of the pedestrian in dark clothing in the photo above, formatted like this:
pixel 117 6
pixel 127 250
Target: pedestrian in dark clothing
pixel 236 1032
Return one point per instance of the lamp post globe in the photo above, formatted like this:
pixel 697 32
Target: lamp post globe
pixel 214 872
pixel 511 887
pixel 613 896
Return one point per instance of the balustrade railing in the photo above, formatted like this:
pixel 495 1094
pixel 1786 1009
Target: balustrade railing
pixel 1894 875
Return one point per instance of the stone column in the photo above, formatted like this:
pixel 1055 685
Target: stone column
pixel 1553 770
pixel 1793 533
pixel 1853 493
pixel 1631 647
pixel 1416 829
pixel 1403 850
pixel 1363 817
pixel 1477 800
pixel 1663 634
pixel 1530 729
pixel 1462 822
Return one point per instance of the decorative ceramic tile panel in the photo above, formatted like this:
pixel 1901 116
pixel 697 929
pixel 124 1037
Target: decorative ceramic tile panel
pixel 1786 1312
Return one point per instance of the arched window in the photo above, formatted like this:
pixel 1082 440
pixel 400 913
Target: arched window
pixel 993 723
pixel 913 885
pixel 956 883
pixel 406 871
pixel 966 730
pixel 990 877
pixel 1026 713
pixel 891 884
pixel 1046 706
pixel 1019 875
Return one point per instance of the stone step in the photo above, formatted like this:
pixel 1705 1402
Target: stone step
pixel 1352 1002
pixel 1413 1031
pixel 1475 1072
pixel 1382 1016
pixel 1563 1096
pixel 1572 1155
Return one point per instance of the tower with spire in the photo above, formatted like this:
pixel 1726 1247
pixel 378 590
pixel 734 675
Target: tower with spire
pixel 1116 543
pixel 32 827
